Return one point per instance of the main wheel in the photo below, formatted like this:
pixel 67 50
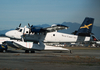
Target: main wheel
pixel 26 51
pixel 32 51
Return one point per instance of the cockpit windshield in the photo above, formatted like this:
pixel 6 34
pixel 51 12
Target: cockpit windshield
pixel 17 28
pixel 20 30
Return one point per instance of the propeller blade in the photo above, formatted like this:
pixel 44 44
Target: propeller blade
pixel 29 28
pixel 28 24
pixel 19 24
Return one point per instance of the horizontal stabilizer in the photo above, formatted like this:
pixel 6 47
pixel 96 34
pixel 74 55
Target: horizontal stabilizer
pixel 94 38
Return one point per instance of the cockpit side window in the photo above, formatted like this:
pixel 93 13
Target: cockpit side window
pixel 53 34
pixel 20 30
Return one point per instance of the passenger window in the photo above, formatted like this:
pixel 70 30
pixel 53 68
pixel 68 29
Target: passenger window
pixel 53 34
pixel 26 31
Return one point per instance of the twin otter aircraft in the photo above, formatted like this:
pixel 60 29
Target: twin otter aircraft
pixel 34 38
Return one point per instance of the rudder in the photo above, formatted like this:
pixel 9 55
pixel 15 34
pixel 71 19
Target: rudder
pixel 86 27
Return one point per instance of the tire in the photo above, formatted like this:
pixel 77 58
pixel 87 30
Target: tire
pixel 32 51
pixel 26 51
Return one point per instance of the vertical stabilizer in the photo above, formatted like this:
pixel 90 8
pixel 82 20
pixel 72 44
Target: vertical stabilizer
pixel 86 27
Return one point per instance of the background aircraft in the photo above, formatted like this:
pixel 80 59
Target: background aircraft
pixel 95 40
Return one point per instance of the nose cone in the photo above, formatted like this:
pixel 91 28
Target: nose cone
pixel 13 34
pixel 9 33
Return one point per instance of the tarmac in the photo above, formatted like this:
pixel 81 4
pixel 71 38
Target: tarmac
pixel 78 59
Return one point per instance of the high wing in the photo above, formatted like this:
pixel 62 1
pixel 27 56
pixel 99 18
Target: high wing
pixel 54 27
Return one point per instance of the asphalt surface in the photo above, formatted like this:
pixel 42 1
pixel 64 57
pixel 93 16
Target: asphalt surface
pixel 50 60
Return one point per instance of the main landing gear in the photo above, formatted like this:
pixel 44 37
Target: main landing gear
pixel 27 51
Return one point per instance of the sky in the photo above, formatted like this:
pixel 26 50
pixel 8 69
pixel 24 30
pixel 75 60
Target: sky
pixel 37 12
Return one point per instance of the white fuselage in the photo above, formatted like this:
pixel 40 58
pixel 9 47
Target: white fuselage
pixel 56 37
pixel 62 37
pixel 38 40
pixel 48 37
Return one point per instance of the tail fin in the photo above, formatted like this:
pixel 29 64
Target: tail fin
pixel 94 38
pixel 86 27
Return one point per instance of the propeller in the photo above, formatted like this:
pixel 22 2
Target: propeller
pixel 28 24
pixel 29 28
pixel 20 25
pixel 17 28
